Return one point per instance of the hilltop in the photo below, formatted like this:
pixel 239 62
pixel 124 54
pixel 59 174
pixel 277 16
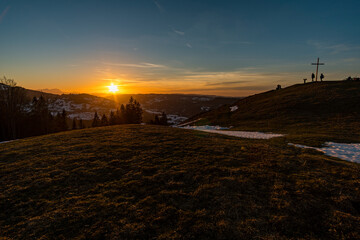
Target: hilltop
pixel 146 182
pixel 322 108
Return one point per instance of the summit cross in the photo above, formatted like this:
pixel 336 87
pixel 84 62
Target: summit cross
pixel 317 68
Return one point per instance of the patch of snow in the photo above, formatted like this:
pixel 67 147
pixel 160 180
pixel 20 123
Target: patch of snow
pixel 152 112
pixel 77 106
pixel 59 105
pixel 205 127
pixel 8 141
pixel 187 123
pixel 345 151
pixel 82 115
pixel 203 108
pixel 233 108
pixel 174 119
pixel 241 134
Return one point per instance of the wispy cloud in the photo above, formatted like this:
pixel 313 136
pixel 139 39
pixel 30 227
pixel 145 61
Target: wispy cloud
pixel 188 45
pixel 4 12
pixel 248 88
pixel 161 9
pixel 351 60
pixel 178 32
pixel 226 83
pixel 120 81
pixel 333 48
pixel 134 65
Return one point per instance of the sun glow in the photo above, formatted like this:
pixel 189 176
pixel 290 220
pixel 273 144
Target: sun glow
pixel 113 88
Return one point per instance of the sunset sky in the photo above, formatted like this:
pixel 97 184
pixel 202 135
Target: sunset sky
pixel 232 48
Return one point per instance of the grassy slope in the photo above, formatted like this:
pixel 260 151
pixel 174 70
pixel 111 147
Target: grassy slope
pixel 150 181
pixel 308 112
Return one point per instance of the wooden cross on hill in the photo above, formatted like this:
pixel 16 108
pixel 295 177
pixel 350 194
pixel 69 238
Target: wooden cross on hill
pixel 317 68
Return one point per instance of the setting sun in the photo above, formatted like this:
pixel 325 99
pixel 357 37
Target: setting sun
pixel 113 88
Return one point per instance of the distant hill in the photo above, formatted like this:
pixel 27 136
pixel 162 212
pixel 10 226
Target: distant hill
pixel 53 91
pixel 185 105
pixel 178 107
pixel 321 105
pixel 150 182
pixel 77 105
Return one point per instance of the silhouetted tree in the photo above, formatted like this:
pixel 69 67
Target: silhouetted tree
pixel 121 114
pixel 81 124
pixel 163 119
pixel 64 126
pixel 133 112
pixel 157 120
pixel 112 118
pixel 96 120
pixel 104 120
pixel 74 125
pixel 138 112
pixel 39 117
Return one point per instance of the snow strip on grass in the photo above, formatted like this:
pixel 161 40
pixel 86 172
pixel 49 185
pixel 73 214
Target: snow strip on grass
pixel 242 134
pixel 345 151
pixel 8 141
pixel 205 127
pixel 187 123
pixel 234 108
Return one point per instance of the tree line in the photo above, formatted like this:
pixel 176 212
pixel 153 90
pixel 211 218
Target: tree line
pixel 131 113
pixel 21 117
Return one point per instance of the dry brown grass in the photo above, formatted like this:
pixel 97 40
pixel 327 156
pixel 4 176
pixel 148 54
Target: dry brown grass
pixel 144 182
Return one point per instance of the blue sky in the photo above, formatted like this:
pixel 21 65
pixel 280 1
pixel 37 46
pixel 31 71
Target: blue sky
pixel 233 48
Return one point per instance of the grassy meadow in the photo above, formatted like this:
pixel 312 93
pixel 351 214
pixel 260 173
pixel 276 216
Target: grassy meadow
pixel 153 182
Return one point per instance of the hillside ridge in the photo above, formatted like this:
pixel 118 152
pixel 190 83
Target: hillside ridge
pixel 308 104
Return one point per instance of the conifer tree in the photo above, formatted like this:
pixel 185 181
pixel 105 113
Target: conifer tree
pixel 104 121
pixel 58 122
pixel 157 120
pixel 133 112
pixel 64 126
pixel 81 124
pixel 74 125
pixel 122 115
pixel 138 112
pixel 130 112
pixel 112 118
pixel 96 120
pixel 39 116
pixel 163 119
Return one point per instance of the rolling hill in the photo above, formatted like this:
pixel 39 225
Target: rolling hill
pixel 178 107
pixel 152 182
pixel 331 108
